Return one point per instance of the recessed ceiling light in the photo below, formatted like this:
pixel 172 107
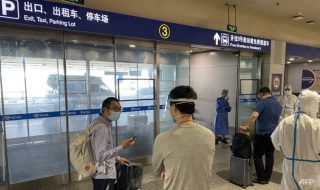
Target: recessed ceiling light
pixel 212 53
pixel 288 62
pixel 310 22
pixel 132 45
pixel 310 60
pixel 291 59
pixel 298 17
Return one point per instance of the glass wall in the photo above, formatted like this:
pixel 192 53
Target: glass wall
pixel 90 79
pixel 174 71
pixel 34 150
pixel 249 84
pixel 46 74
pixel 136 90
pixel 3 162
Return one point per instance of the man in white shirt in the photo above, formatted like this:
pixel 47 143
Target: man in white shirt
pixel 104 152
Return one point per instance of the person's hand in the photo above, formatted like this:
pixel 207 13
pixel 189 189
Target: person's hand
pixel 244 127
pixel 123 161
pixel 162 175
pixel 127 143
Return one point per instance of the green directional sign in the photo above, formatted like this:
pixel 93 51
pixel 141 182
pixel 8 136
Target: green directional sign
pixel 76 1
pixel 231 28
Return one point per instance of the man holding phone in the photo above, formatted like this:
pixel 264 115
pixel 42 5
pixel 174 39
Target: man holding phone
pixel 104 152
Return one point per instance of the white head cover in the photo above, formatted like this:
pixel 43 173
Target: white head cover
pixel 287 89
pixel 183 100
pixel 308 102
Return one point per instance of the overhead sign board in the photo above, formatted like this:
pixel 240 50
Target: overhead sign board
pixel 69 17
pixel 76 1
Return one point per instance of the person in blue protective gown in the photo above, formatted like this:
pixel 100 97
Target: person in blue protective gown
pixel 221 124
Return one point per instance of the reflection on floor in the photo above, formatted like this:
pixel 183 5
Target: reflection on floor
pixel 220 177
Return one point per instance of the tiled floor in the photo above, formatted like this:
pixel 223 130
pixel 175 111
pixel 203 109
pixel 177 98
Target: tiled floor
pixel 219 181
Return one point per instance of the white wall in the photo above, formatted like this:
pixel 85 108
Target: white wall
pixel 209 74
pixel 294 74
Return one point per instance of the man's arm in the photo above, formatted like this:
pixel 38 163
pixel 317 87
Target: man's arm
pixel 254 116
pixel 157 160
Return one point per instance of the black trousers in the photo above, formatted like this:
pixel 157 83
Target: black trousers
pixel 263 146
pixel 102 184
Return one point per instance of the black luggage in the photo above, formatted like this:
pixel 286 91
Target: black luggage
pixel 241 171
pixel 241 146
pixel 129 177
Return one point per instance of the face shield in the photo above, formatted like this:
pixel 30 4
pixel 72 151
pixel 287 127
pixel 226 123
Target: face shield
pixel 170 101
pixel 308 103
pixel 288 90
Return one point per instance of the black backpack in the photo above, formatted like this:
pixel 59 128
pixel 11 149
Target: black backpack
pixel 241 146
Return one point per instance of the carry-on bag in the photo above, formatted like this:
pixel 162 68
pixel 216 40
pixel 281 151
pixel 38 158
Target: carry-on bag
pixel 129 177
pixel 241 146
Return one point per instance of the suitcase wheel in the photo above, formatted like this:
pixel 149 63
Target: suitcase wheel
pixel 244 187
pixel 251 184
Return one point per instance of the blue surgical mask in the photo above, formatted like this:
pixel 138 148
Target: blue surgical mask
pixel 114 116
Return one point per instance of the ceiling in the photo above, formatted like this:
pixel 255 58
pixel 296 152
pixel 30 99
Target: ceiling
pixel 271 19
pixel 285 9
pixel 276 9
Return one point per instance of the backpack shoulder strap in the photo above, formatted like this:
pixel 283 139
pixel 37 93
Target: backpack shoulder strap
pixel 95 127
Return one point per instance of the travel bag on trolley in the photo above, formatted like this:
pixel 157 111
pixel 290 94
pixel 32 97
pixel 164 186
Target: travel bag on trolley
pixel 241 160
pixel 129 177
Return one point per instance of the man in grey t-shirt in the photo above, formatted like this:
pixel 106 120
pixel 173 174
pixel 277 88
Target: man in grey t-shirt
pixel 183 156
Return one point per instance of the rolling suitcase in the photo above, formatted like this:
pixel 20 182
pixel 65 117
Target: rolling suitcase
pixel 241 171
pixel 129 177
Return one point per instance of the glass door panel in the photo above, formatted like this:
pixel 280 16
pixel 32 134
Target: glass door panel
pixel 89 79
pixel 34 150
pixel 136 91
pixel 249 80
pixel 3 162
pixel 174 71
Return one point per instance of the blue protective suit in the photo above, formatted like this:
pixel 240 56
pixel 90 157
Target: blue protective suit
pixel 221 123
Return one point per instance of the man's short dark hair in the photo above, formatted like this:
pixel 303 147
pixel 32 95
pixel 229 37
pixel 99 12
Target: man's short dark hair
pixel 183 92
pixel 106 103
pixel 264 90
